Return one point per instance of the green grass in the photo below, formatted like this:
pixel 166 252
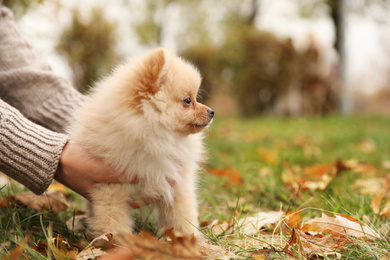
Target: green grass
pixel 235 142
pixel 238 143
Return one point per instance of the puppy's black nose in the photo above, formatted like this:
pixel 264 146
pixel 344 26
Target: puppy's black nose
pixel 210 112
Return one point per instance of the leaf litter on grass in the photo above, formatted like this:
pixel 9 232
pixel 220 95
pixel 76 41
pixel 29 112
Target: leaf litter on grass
pixel 321 237
pixel 288 233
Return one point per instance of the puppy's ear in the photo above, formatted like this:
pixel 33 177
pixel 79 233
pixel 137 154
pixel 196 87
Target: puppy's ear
pixel 165 73
pixel 158 69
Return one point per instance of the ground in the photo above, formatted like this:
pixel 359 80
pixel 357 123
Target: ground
pixel 303 168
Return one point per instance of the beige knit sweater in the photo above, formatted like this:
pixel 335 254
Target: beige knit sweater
pixel 35 107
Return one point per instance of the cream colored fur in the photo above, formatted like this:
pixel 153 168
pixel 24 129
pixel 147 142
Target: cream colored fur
pixel 138 122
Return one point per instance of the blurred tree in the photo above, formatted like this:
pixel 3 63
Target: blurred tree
pixel 204 56
pixel 89 47
pixel 149 28
pixel 20 7
pixel 338 11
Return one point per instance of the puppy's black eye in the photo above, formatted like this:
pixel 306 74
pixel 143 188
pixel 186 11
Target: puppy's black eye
pixel 187 101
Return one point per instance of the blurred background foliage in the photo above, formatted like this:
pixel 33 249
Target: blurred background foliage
pixel 89 47
pixel 253 71
pixel 20 7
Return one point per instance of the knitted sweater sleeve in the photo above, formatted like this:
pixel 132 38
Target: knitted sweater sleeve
pixel 29 84
pixel 35 107
pixel 29 153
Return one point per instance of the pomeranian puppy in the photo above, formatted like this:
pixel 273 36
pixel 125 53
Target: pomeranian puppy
pixel 144 120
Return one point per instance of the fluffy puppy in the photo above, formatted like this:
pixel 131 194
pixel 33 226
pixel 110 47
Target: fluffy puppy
pixel 144 120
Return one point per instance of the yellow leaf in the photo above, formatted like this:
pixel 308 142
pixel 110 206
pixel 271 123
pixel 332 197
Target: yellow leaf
pixel 57 186
pixel 269 156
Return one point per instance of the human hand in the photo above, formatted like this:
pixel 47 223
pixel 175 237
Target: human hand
pixel 79 171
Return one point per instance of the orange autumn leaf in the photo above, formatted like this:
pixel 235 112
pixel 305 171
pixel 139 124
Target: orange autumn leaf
pixel 235 178
pixel 316 177
pixel 17 252
pixel 8 201
pixel 292 219
pixel 331 169
pixel 377 203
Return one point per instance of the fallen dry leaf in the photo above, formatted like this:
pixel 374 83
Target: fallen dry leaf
pixel 235 178
pixel 17 252
pixel 339 225
pixel 213 251
pixel 51 200
pixel 263 254
pixel 269 156
pixel 316 177
pixel 376 205
pixel 95 248
pixel 63 248
pixel 146 246
pixel 386 210
pixel 253 224
pixel 373 186
pixel 118 254
pixel 184 247
pixel 292 219
pixel 376 202
pixel 222 227
pixel 360 167
pixel 249 225
pixel 90 253
pixel 385 257
pixel 310 247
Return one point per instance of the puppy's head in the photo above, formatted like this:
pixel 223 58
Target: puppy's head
pixel 168 87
